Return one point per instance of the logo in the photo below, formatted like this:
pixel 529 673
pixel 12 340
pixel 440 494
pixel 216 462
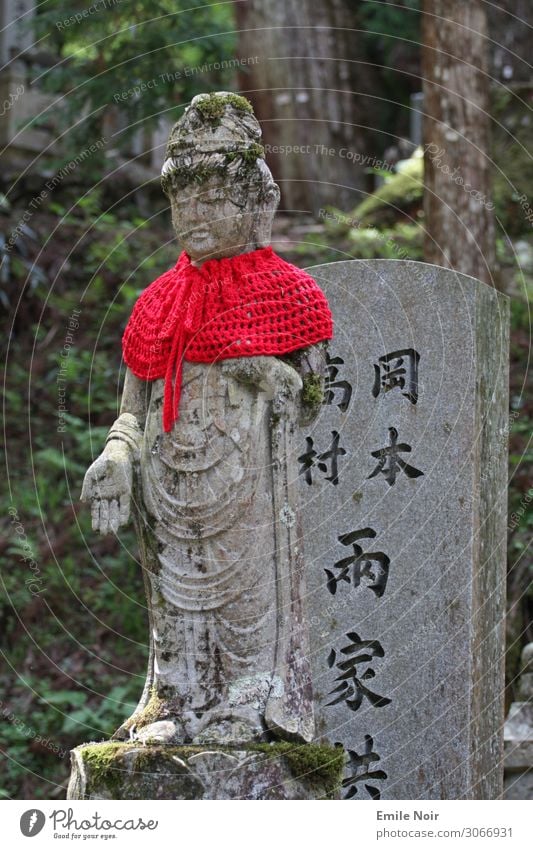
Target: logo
pixel 32 822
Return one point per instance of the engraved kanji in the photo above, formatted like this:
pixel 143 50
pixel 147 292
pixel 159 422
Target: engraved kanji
pixel 373 565
pixel 327 461
pixel 332 385
pixel 390 463
pixel 399 369
pixel 362 771
pixel 352 689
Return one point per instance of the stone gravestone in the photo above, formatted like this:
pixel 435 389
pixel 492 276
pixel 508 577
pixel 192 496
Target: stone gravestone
pixel 403 478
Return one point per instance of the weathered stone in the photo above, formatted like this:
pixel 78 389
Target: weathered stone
pixel 276 771
pixel 404 477
pixel 525 685
pixel 518 736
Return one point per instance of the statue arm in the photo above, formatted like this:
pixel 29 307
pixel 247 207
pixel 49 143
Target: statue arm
pixel 299 375
pixel 135 398
pixel 107 485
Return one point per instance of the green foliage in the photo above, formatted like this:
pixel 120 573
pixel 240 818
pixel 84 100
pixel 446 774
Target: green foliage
pixel 384 22
pixel 76 649
pixel 511 151
pixel 133 60
pixel 400 192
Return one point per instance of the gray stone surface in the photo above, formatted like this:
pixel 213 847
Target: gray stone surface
pixel 525 686
pixel 407 652
pixel 133 771
pixel 518 736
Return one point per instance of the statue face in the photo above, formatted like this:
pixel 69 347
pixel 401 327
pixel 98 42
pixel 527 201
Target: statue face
pixel 216 218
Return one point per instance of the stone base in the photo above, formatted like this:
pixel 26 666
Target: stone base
pixel 518 750
pixel 261 771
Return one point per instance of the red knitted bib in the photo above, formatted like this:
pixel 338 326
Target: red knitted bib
pixel 242 306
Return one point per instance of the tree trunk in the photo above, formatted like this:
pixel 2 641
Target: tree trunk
pixel 457 197
pixel 310 91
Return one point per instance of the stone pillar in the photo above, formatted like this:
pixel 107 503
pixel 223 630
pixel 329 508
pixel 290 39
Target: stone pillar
pixel 403 480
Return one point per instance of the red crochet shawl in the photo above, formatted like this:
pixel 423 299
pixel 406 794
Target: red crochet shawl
pixel 246 305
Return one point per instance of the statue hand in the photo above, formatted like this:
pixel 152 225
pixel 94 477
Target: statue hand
pixel 268 373
pixel 107 486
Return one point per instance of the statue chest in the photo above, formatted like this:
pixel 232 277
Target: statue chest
pixel 215 453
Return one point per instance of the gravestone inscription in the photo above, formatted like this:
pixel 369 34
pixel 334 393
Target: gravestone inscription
pixel 403 477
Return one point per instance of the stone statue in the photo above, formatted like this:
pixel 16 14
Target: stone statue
pixel 202 454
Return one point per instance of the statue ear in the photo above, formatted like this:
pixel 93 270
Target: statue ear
pixel 273 195
pixel 265 215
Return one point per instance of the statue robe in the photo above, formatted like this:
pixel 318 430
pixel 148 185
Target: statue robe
pixel 216 512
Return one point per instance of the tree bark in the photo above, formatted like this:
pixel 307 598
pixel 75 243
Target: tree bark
pixel 457 197
pixel 310 89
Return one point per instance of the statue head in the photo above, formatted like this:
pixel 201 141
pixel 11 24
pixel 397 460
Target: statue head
pixel 222 194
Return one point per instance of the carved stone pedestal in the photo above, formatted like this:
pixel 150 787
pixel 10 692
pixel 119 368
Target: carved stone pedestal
pixel 261 771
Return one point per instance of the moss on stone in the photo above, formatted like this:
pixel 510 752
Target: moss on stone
pixel 151 712
pixel 102 762
pixel 212 106
pixel 318 765
pixel 312 392
pixel 249 155
pixel 200 173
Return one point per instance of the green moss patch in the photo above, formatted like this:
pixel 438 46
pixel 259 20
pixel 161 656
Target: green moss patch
pixel 399 193
pixel 318 766
pixel 152 712
pixel 213 105
pixel 312 394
